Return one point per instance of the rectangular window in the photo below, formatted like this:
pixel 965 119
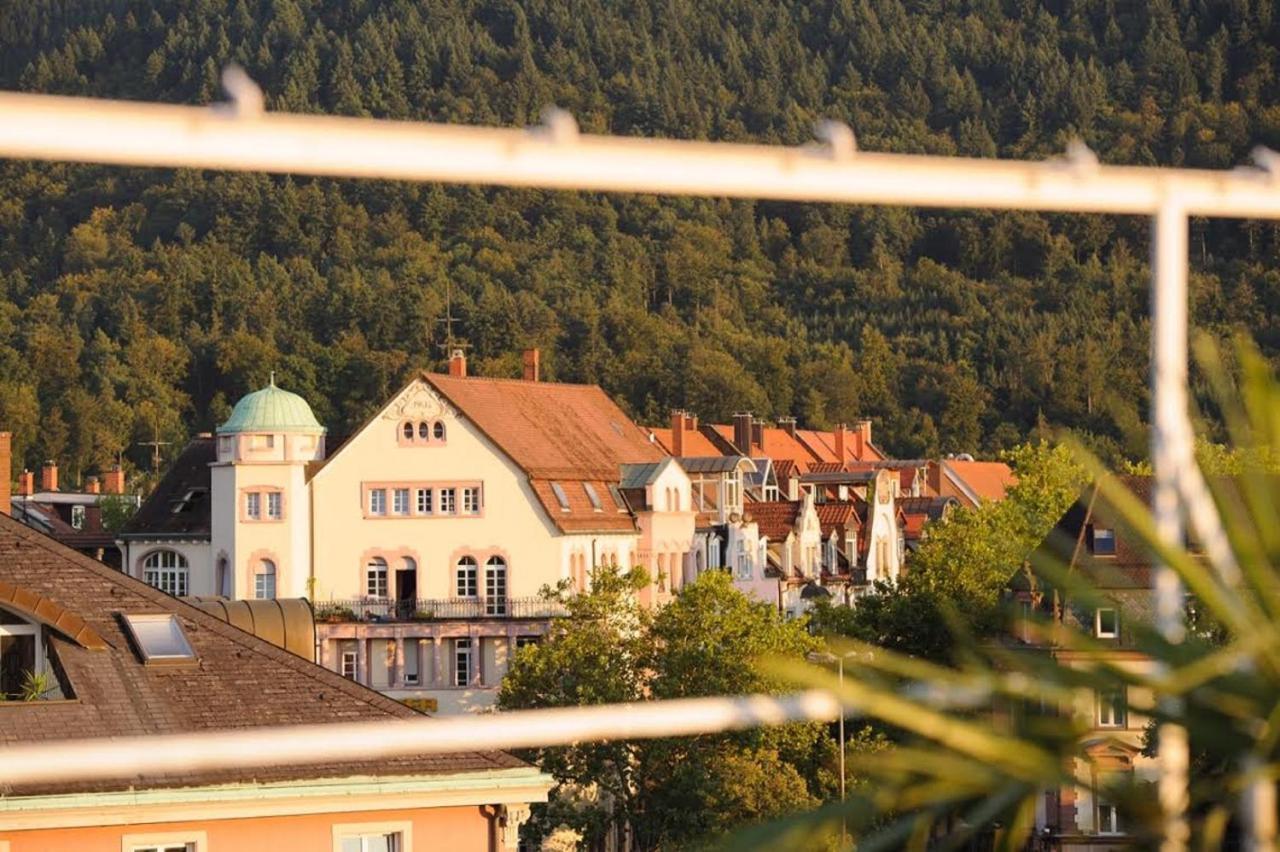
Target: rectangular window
pixel 412 649
pixel 526 641
pixel 275 505
pixel 20 652
pixel 1104 542
pixel 376 581
pixel 561 497
pixel 448 501
pixel 467 581
pixel 1106 623
pixel 392 841
pixel 349 665
pixel 424 501
pixel 593 496
pixel 461 662
pixel 77 517
pixel 471 501
pixel 253 505
pixel 400 501
pixel 378 501
pixel 1111 708
pixel 1108 818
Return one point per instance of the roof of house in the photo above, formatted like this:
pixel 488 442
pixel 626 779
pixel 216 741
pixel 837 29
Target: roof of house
pixel 55 519
pixel 238 680
pixel 987 480
pixel 776 518
pixel 693 442
pixel 556 434
pixel 179 507
pixel 836 515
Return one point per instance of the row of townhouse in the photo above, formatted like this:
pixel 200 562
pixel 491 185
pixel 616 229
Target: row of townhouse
pixel 425 537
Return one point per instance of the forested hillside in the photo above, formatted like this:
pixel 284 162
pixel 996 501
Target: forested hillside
pixel 135 302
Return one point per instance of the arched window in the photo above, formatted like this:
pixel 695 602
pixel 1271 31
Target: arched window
pixel 408 431
pixel 438 430
pixel 495 586
pixel 467 586
pixel 376 578
pixel 264 580
pixel 167 570
pixel 424 431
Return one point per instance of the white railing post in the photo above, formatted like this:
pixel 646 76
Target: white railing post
pixel 1170 428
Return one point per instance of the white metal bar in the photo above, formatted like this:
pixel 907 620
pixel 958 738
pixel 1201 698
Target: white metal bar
pixel 1169 425
pixel 49 127
pixel 82 760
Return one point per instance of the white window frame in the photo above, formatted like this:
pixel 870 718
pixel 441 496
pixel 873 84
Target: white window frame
pixel 28 628
pixel 347 665
pixel 260 581
pixel 1109 713
pixel 1115 623
pixel 448 502
pixel 424 500
pixel 197 841
pixel 253 506
pixel 378 501
pixel 466 578
pixel 172 579
pixel 1114 823
pixel 275 505
pixel 375 578
pixel 471 500
pixel 346 831
pixel 495 586
pixel 463 653
pixel 743 567
pixel 1110 535
pixel 77 517
pixel 413 651
pixel 400 501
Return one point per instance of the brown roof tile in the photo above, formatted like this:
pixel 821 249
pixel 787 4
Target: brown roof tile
pixel 238 680
pixel 776 518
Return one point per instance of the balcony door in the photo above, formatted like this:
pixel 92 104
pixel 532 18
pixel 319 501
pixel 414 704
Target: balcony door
pixel 407 588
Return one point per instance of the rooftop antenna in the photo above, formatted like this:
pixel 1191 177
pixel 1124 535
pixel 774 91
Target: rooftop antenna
pixel 450 343
pixel 155 444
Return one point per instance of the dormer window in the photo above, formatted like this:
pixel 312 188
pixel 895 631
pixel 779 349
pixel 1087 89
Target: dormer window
pixel 26 673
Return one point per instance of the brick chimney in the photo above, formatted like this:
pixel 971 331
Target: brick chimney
pixel 92 485
pixel 26 483
pixel 113 481
pixel 6 472
pixel 788 425
pixel 864 434
pixel 757 434
pixel 49 476
pixel 458 364
pixel 842 439
pixel 532 361
pixel 677 432
pixel 742 432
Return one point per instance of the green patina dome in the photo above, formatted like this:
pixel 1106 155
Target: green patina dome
pixel 272 410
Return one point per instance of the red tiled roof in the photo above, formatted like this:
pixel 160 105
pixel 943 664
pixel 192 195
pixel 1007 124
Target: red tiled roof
pixel 582 515
pixel 837 515
pixel 775 518
pixel 552 431
pixel 239 681
pixel 696 444
pixel 989 480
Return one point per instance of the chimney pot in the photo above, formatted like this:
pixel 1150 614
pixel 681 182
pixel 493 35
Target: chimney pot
pixel 532 363
pixel 842 441
pixel 788 425
pixel 49 476
pixel 458 364
pixel 6 472
pixel 26 483
pixel 678 425
pixel 92 485
pixel 742 432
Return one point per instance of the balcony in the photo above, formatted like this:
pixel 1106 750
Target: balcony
pixel 442 609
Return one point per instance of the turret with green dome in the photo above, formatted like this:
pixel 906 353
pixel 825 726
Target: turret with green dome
pixel 272 410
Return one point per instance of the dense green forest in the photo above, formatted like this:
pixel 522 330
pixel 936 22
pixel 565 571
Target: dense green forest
pixel 137 302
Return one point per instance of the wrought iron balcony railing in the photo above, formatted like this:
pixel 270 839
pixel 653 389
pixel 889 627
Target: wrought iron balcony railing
pixel 438 609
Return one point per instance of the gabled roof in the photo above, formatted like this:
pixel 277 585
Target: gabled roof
pixel 776 518
pixel 837 515
pixel 694 442
pixel 551 431
pixel 239 681
pixel 986 480
pixel 179 506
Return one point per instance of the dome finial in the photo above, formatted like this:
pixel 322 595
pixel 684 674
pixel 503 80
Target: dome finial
pixel 273 378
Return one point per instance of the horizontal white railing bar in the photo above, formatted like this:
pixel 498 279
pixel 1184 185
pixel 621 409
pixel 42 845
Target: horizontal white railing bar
pixel 241 136
pixel 169 754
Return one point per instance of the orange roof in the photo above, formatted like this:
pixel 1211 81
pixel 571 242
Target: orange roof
pixel 552 431
pixel 989 480
pixel 696 444
pixel 837 514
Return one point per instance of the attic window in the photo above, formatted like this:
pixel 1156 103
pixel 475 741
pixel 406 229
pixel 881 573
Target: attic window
pixel 188 501
pixel 159 638
pixel 1104 542
pixel 561 497
pixel 617 497
pixel 592 496
pixel 77 517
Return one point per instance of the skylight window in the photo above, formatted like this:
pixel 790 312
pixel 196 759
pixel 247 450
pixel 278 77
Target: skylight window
pixel 592 496
pixel 616 494
pixel 159 638
pixel 561 497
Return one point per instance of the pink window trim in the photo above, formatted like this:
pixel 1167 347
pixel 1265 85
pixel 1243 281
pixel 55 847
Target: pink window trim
pixel 262 491
pixel 390 488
